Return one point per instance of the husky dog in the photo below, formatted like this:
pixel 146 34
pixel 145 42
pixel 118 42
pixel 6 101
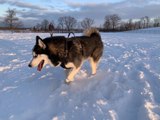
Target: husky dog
pixel 68 53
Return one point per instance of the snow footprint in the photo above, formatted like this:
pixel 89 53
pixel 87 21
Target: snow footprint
pixel 8 88
pixel 141 75
pixel 4 68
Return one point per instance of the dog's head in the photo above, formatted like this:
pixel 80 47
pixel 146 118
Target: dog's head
pixel 40 58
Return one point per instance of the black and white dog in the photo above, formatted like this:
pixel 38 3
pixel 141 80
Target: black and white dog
pixel 69 53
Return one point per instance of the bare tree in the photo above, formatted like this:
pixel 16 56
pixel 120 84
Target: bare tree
pixel 111 21
pixel 147 21
pixel 18 24
pixel 157 22
pixel 69 22
pixel 11 20
pixel 129 25
pixel 87 23
pixel 115 19
pixel 122 26
pixel 38 27
pixel 44 25
pixel 51 28
pixel 66 22
pixel 138 24
pixel 107 23
pixel 142 22
pixel 61 23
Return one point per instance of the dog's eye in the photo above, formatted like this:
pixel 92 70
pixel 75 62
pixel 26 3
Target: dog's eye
pixel 34 54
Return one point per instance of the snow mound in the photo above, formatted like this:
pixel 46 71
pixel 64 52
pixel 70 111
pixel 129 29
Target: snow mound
pixel 147 31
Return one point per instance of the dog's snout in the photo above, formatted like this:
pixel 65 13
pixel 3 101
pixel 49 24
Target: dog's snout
pixel 29 65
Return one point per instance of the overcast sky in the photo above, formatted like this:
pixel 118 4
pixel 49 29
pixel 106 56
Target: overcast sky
pixel 34 11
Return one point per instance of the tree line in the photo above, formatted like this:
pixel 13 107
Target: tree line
pixel 64 24
pixel 112 22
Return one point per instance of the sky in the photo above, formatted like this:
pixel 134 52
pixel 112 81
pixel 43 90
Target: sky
pixel 31 12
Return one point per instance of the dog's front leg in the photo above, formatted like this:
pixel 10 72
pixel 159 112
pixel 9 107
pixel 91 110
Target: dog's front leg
pixel 71 74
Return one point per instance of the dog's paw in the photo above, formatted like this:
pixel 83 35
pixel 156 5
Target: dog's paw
pixel 67 81
pixel 91 75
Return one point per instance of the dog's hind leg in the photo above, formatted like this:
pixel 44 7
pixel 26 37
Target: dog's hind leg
pixel 95 58
pixel 93 65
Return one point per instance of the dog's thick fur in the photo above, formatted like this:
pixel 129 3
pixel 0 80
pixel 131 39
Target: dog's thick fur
pixel 69 53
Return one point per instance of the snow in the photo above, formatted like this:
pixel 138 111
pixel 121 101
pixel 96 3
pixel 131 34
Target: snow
pixel 126 86
pixel 4 68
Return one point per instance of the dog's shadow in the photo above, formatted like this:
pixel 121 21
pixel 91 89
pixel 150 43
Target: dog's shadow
pixel 49 77
pixel 54 77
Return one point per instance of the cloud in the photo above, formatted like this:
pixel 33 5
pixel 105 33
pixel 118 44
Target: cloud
pixel 21 4
pixel 125 9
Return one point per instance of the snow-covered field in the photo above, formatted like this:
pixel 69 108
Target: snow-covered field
pixel 126 86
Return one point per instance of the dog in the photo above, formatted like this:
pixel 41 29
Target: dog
pixel 68 53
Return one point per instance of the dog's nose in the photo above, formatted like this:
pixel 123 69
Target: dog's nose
pixel 29 65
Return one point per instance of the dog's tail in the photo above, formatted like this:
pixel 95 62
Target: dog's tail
pixel 91 31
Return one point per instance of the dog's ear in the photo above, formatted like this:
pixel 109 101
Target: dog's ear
pixel 39 42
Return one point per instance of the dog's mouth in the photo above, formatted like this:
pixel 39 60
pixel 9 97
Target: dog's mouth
pixel 40 65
